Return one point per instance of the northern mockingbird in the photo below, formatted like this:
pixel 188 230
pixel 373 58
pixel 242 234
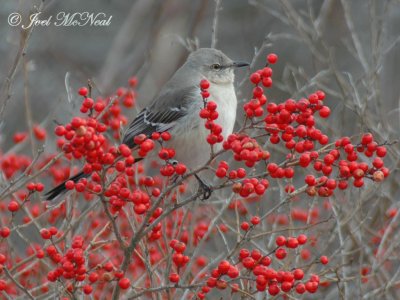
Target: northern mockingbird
pixel 176 109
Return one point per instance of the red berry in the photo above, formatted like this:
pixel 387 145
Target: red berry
pixel 292 243
pixel 166 136
pixel 300 288
pixel 280 240
pixel 3 285
pixel 88 102
pixel 133 81
pixel 272 58
pixel 255 78
pixel 311 287
pixel 69 185
pixel 273 290
pixel 179 247
pixel 45 233
pixel 221 172
pixel 245 226
pixel 39 187
pixel 244 253
pixel 124 283
pixel 5 232
pixel 13 206
pixel 211 106
pixel 204 113
pixel 233 272
pixel 31 186
pixel 83 91
pixel 223 267
pixel 381 151
pixel 298 274
pixel 204 84
pixel 87 289
pixel 255 220
pixel 173 277
pixel 280 253
pixel 367 138
pixel 205 94
pixel 302 239
pixel 248 262
pixel 324 112
pixel 93 277
pixel 324 260
pixel 180 169
pixel 39 133
pixel 19 137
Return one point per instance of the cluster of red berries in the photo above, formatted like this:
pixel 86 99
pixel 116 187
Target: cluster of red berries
pixel 250 186
pixel 303 215
pixel 276 281
pixel 71 265
pixel 199 231
pixel 32 187
pixel 157 229
pixel 145 144
pixel 293 120
pixel 255 220
pixel 238 205
pixel 245 149
pixel 119 194
pixel 350 168
pixel 347 168
pixel 38 132
pixel 178 258
pixel 83 138
pixel 254 107
pixel 113 117
pixel 47 234
pixel 210 114
pixel 215 280
pixel 266 277
pixel 247 186
pixel 13 163
pixel 171 167
pixel 289 120
pixel 276 171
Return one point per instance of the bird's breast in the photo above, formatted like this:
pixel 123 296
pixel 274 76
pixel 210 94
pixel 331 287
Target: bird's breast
pixel 189 139
pixel 225 97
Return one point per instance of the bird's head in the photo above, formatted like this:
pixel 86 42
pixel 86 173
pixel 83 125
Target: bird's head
pixel 214 65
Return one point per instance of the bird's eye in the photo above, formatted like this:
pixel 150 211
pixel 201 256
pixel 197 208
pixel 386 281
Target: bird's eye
pixel 216 67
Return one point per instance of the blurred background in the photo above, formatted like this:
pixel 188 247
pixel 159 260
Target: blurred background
pixel 349 49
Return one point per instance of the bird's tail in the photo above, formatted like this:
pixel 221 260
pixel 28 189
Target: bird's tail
pixel 59 189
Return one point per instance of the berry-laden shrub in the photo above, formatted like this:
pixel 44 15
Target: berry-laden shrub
pixel 272 225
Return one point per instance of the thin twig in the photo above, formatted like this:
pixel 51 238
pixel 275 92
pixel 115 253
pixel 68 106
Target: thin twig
pixel 214 29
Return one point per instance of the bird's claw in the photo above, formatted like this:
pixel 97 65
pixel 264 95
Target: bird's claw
pixel 204 188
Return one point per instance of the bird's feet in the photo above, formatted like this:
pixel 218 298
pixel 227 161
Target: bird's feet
pixel 204 188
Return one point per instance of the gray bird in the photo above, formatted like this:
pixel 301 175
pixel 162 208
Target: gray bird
pixel 176 109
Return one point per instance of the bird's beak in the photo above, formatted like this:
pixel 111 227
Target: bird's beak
pixel 239 64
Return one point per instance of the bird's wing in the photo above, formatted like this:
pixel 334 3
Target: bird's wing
pixel 167 109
